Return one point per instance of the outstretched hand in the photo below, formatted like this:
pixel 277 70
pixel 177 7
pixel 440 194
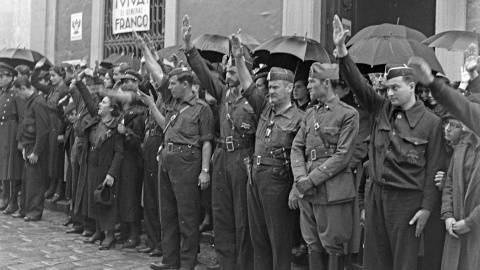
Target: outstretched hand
pixel 339 36
pixel 237 48
pixel 421 70
pixel 187 32
pixel 139 42
pixel 40 63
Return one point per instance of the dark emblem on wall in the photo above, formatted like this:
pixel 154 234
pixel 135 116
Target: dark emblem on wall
pixel 76 24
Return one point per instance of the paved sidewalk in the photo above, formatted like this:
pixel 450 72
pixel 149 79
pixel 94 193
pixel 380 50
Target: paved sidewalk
pixel 45 245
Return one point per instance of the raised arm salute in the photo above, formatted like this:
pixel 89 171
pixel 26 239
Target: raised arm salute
pixel 237 136
pixel 405 153
pixel 270 218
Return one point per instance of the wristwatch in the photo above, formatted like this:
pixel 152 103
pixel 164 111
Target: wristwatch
pixel 205 170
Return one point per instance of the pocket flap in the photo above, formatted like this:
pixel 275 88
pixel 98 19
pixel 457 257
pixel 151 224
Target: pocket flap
pixel 331 130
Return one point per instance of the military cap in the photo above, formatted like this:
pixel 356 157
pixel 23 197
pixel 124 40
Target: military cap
pixel 131 74
pixel 324 71
pixel 181 71
pixel 261 73
pixel 8 70
pixel 277 73
pixel 397 70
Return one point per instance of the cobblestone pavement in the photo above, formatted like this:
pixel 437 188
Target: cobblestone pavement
pixel 45 245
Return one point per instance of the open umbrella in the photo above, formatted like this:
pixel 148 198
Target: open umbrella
pixel 115 59
pixel 15 57
pixel 167 53
pixel 453 40
pixel 286 51
pixel 387 29
pixel 391 50
pixel 212 47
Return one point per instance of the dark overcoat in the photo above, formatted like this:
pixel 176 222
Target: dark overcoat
pixel 461 198
pixel 105 158
pixel 12 109
pixel 130 183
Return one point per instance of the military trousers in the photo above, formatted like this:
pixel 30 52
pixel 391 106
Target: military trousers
pixel 269 217
pixel 34 186
pixel 390 241
pixel 230 213
pixel 326 227
pixel 180 206
pixel 151 213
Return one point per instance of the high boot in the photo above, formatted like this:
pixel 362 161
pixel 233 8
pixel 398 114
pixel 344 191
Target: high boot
pixel 317 260
pixel 13 205
pixel 336 262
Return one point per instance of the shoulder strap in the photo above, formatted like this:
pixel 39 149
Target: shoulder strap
pixel 316 126
pixel 174 117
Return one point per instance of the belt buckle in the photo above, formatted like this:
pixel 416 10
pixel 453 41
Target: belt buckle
pixel 229 142
pixel 313 155
pixel 259 158
pixel 170 147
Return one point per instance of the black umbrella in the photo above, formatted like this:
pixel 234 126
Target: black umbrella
pixel 391 50
pixel 15 57
pixel 286 51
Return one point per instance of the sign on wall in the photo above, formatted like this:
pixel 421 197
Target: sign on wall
pixel 76 26
pixel 128 15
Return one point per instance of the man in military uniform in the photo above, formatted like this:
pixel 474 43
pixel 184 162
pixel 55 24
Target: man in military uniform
pixel 34 138
pixel 229 179
pixel 270 219
pixel 321 154
pixel 185 157
pixel 405 154
pixel 11 162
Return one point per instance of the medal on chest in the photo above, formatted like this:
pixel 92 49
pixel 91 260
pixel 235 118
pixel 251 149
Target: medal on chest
pixel 269 129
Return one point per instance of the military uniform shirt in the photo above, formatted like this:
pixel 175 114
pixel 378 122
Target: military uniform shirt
pixel 275 130
pixel 191 127
pixel 35 125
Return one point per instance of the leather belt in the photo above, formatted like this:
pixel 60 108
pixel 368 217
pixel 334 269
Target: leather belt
pixel 231 145
pixel 259 160
pixel 175 147
pixel 318 153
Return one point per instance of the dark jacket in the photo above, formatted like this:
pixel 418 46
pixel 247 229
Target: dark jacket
pixel 457 104
pixel 35 126
pixel 11 115
pixel 412 148
pixel 130 182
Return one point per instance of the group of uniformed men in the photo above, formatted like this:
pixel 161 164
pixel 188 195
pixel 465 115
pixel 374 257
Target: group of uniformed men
pixel 270 157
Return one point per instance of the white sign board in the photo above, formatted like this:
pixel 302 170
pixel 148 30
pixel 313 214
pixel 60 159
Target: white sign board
pixel 128 15
pixel 76 26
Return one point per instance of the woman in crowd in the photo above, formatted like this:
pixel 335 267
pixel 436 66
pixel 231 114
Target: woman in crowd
pixel 131 127
pixel 104 158
pixel 461 200
pixel 53 93
pixel 109 82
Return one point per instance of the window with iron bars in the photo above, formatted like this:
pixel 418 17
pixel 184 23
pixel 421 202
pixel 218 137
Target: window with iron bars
pixel 124 44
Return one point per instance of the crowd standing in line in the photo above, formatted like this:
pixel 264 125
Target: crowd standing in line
pixel 272 159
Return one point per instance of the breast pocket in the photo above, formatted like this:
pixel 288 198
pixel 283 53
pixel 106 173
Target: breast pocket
pixel 413 150
pixel 29 125
pixel 331 134
pixel 188 127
